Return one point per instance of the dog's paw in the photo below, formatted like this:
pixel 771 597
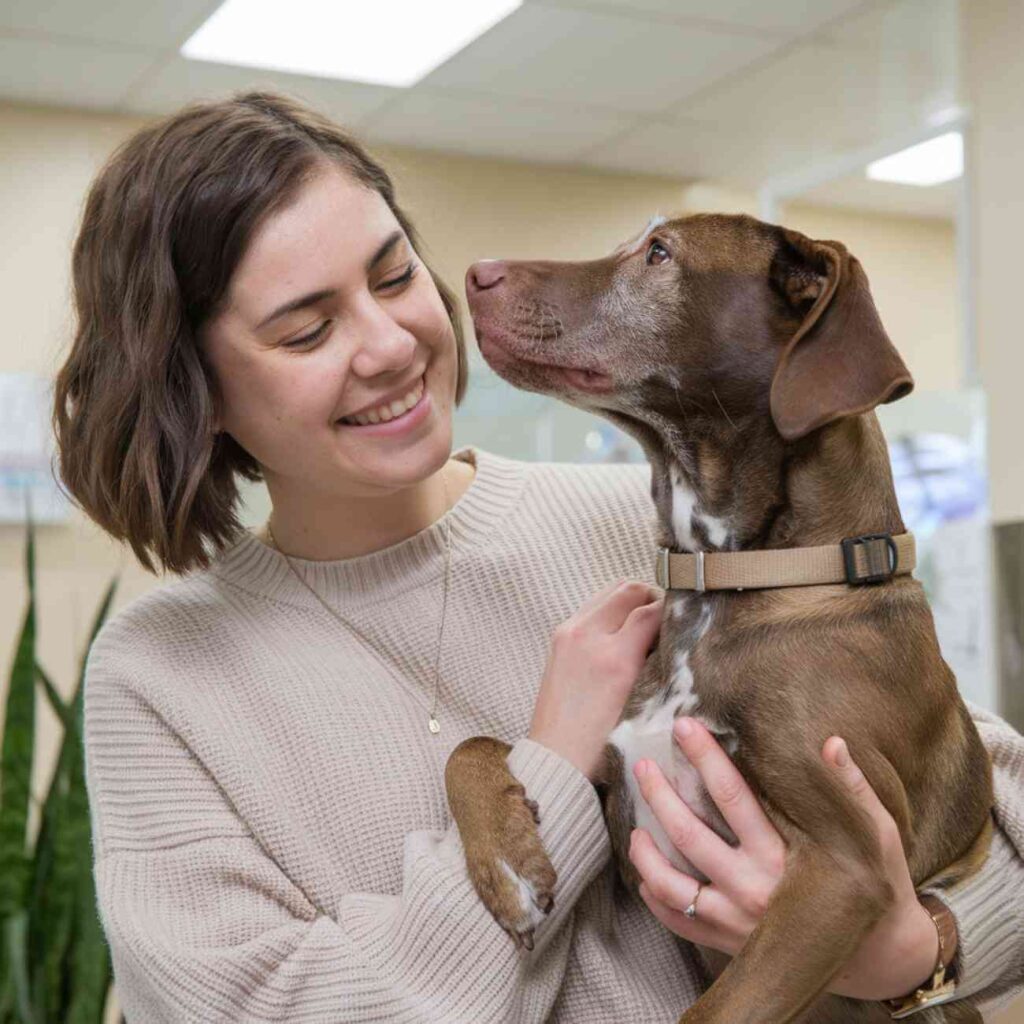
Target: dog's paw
pixel 534 905
pixel 518 901
pixel 532 807
pixel 511 873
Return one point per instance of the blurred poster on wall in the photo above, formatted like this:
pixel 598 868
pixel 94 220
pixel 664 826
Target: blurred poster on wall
pixel 26 451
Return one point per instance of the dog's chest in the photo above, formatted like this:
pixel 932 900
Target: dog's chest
pixel 647 734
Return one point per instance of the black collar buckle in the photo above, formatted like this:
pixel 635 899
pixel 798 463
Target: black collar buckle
pixel 881 558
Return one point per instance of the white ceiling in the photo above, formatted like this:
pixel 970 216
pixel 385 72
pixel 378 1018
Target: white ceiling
pixel 746 92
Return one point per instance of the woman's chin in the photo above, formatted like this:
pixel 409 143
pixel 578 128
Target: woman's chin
pixel 406 464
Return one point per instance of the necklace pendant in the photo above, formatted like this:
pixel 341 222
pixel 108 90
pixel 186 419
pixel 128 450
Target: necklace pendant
pixel 434 725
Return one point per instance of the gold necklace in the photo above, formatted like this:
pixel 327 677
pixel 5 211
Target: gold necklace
pixel 432 723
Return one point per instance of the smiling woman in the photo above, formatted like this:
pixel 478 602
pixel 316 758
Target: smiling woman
pixel 187 271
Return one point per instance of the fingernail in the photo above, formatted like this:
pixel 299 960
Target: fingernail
pixel 684 727
pixel 640 769
pixel 842 755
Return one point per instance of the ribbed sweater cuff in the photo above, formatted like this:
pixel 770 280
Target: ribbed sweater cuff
pixel 572 826
pixel 988 920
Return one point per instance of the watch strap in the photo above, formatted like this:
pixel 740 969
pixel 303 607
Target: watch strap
pixel 941 988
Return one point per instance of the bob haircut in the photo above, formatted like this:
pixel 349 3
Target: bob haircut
pixel 166 222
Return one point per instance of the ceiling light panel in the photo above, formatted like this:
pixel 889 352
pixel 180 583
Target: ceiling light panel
pixel 394 43
pixel 929 163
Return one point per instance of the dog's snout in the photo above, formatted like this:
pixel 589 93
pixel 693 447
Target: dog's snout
pixel 485 274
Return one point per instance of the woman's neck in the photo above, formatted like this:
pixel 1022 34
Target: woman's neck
pixel 348 528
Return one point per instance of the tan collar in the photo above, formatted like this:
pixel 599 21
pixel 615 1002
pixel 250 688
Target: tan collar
pixel 873 558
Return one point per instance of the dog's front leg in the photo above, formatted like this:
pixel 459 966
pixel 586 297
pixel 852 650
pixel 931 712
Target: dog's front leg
pixel 505 858
pixel 819 913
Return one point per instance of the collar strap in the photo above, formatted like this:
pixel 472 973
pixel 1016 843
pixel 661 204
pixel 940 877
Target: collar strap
pixel 872 558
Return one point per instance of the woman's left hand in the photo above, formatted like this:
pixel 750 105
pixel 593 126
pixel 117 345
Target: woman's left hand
pixel 894 958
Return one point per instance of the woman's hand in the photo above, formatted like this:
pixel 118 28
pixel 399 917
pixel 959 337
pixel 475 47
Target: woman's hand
pixel 893 959
pixel 595 657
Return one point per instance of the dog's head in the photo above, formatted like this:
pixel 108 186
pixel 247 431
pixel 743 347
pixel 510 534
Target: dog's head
pixel 705 317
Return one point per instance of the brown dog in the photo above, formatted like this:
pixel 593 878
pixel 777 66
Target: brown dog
pixel 746 359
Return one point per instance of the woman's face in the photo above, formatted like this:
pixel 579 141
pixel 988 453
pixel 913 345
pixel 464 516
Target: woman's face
pixel 334 356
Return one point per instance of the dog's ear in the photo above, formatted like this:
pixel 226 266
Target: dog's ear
pixel 840 362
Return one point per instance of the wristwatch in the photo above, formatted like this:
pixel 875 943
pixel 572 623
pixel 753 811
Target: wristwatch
pixel 941 988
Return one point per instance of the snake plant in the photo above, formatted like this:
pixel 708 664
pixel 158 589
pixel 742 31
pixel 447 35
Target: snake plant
pixel 54 961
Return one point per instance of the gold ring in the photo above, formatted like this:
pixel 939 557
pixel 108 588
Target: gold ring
pixel 691 910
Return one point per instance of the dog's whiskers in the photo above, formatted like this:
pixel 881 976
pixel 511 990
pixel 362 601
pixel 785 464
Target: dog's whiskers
pixel 724 413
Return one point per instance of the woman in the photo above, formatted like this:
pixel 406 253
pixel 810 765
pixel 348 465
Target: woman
pixel 266 737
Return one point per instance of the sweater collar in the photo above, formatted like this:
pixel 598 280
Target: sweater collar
pixel 258 568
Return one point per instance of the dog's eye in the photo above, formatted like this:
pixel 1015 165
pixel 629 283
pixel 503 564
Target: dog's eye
pixel 657 253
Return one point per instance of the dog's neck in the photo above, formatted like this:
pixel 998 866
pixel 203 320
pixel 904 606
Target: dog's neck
pixel 743 488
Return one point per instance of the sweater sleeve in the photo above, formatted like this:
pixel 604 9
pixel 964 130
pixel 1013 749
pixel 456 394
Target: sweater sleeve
pixel 205 926
pixel 989 906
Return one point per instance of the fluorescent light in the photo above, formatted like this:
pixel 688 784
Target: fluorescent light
pixel 929 163
pixel 394 42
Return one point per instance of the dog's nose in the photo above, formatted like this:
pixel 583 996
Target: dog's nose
pixel 485 274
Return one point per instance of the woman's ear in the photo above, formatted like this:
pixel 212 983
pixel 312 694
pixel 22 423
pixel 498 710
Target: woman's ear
pixel 840 362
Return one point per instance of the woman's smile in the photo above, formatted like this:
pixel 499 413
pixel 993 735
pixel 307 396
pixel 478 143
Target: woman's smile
pixel 394 417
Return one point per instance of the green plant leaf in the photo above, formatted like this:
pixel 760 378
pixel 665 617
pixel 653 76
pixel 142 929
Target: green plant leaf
pixel 51 901
pixel 18 747
pixel 90 957
pixel 91 972
pixel 60 709
pixel 16 772
pixel 14 943
pixel 70 959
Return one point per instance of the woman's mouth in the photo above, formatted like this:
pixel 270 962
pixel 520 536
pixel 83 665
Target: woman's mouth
pixel 393 417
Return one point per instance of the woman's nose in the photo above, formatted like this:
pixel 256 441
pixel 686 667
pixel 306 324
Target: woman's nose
pixel 384 345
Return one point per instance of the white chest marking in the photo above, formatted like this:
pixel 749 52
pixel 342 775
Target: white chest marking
pixel 685 511
pixel 717 530
pixel 683 501
pixel 649 736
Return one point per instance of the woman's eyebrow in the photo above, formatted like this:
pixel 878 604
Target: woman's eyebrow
pixel 301 303
pixel 385 247
pixel 313 298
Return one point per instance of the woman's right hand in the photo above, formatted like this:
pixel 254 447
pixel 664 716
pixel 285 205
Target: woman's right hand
pixel 594 660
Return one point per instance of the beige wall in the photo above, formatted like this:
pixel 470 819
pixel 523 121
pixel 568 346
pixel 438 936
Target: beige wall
pixel 993 33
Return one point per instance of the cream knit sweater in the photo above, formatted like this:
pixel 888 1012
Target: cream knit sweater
pixel 271 838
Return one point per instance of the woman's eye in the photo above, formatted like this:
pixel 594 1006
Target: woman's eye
pixel 401 279
pixel 657 253
pixel 308 339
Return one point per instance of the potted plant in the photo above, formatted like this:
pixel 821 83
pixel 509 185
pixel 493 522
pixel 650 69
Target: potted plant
pixel 54 961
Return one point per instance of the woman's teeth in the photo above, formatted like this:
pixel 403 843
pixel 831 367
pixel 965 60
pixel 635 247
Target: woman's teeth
pixel 383 413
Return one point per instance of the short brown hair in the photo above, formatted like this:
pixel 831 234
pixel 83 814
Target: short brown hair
pixel 166 222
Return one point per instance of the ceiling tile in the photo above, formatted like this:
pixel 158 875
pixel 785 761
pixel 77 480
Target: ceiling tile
pixel 698 150
pixel 515 129
pixel 154 24
pixel 883 73
pixel 67 74
pixel 182 81
pixel 596 60
pixel 810 89
pixel 793 17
